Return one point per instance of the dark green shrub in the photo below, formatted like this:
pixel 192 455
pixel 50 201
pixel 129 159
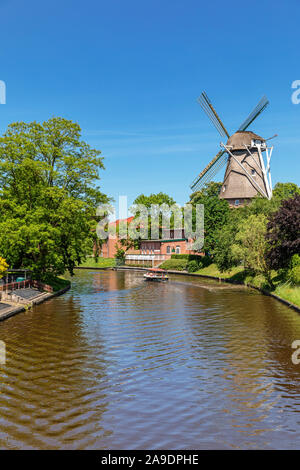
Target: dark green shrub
pixel 192 266
pixel 205 261
pixel 295 261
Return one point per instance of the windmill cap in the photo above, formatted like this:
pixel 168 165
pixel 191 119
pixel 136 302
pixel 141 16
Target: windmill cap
pixel 241 138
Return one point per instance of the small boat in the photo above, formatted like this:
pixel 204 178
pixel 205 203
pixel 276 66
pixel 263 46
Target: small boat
pixel 156 274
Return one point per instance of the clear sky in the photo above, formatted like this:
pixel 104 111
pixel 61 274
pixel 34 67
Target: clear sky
pixel 129 73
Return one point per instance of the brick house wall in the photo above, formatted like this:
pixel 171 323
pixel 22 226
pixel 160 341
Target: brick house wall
pixel 175 243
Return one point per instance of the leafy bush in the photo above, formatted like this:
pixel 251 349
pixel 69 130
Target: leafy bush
pixel 295 261
pixel 192 266
pixel 120 254
pixel 3 266
pixel 294 275
pixel 202 261
pixel 256 280
pixel 174 264
pixel 57 283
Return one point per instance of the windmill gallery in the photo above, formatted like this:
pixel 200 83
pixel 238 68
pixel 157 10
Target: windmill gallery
pixel 246 156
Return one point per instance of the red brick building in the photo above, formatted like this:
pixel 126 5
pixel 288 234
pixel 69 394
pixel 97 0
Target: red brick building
pixel 109 247
pixel 151 251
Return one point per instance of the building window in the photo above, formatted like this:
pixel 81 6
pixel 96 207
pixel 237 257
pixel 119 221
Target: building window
pixel 253 172
pixel 177 250
pixel 168 250
pixel 237 202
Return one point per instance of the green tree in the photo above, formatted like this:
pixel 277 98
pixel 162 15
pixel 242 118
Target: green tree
pixel 49 196
pixel 216 213
pixel 222 253
pixel 160 204
pixel 159 198
pixel 210 189
pixel 250 244
pixel 284 191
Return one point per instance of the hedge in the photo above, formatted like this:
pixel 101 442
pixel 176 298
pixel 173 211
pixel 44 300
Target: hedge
pixel 174 264
pixel 202 261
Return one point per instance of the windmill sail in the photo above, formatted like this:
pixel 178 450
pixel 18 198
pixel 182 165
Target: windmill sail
pixel 246 173
pixel 256 112
pixel 210 170
pixel 205 103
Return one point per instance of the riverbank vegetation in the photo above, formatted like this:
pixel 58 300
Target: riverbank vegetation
pixel 92 262
pixel 57 282
pixel 48 197
pixel 257 244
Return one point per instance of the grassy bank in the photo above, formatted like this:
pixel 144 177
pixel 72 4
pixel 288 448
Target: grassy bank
pixel 289 293
pixel 100 263
pixel 282 289
pixel 57 283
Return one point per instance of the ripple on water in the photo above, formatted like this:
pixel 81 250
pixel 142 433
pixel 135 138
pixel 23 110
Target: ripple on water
pixel 120 363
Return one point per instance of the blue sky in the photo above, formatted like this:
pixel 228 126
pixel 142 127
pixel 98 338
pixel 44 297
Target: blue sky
pixel 130 72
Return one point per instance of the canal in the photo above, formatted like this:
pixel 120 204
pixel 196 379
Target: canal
pixel 119 363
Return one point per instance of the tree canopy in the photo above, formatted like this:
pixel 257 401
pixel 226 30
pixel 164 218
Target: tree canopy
pixel 283 233
pixel 49 195
pixel 216 213
pixel 157 199
pixel 158 207
pixel 250 244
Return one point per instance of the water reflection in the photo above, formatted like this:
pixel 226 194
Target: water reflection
pixel 120 363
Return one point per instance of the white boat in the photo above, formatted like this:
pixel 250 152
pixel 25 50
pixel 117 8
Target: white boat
pixel 156 274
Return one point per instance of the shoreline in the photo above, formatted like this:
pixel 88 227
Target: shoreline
pixel 96 268
pixel 13 309
pixel 220 279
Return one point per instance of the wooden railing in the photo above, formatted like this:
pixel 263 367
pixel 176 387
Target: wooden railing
pixel 15 285
pixel 23 284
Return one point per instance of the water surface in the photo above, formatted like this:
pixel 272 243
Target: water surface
pixel 119 363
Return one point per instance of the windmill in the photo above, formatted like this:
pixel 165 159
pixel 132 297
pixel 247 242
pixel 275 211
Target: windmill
pixel 246 155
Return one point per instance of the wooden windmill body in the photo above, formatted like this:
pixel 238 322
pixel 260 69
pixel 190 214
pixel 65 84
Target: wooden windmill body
pixel 246 156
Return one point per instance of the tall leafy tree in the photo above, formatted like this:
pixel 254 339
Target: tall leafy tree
pixel 160 204
pixel 210 189
pixel 225 235
pixel 250 244
pixel 285 191
pixel 49 193
pixel 216 213
pixel 158 199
